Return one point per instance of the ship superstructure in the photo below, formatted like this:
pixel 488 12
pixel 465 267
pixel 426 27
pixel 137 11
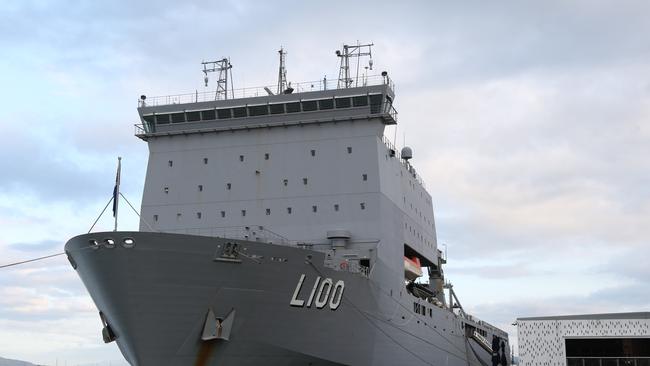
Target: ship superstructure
pixel 281 228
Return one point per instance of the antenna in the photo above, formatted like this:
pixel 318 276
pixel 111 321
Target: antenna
pixel 282 72
pixel 223 67
pixel 357 51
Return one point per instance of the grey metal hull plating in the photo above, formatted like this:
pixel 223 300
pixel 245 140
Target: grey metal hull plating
pixel 156 295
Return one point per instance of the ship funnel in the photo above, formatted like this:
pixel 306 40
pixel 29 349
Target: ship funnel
pixel 407 153
pixel 339 238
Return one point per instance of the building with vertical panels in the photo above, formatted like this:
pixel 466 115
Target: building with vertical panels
pixel 619 339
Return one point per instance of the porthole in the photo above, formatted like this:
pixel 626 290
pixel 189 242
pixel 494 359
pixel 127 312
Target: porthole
pixel 93 243
pixel 128 243
pixel 109 243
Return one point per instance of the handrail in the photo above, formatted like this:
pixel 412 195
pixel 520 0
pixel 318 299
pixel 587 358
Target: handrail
pixel 301 87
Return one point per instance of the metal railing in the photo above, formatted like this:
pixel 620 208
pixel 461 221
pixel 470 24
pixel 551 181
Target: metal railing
pixel 252 233
pixel 258 91
pixel 409 168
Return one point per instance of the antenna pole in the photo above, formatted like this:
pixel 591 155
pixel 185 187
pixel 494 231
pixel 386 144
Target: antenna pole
pixel 282 72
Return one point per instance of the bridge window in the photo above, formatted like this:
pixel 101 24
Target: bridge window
pixel 360 101
pixel 239 112
pixel 150 118
pixel 309 105
pixel 375 103
pixel 293 107
pixel 258 110
pixel 326 104
pixel 193 116
pixel 224 113
pixel 210 115
pixel 276 108
pixel 178 117
pixel 162 119
pixel 343 102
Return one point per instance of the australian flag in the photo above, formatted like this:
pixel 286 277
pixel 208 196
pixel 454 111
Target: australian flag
pixel 116 190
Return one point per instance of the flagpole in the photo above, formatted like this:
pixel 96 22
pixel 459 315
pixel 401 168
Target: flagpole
pixel 116 191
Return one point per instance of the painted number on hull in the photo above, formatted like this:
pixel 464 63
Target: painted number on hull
pixel 322 293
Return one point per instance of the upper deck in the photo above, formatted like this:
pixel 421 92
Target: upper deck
pixel 311 102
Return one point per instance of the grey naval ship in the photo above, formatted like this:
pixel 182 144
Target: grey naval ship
pixel 280 226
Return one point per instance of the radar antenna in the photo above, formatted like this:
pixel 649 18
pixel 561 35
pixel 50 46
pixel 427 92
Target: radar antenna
pixel 357 51
pixel 223 67
pixel 282 72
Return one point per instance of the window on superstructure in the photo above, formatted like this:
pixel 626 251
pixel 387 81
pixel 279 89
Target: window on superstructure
pixel 155 217
pixel 326 104
pixel 243 212
pixel 309 105
pixel 258 110
pixel 170 163
pixel 293 107
pixel 241 157
pixel 239 112
pixel 209 115
pixel 268 212
pixel 223 213
pixel 162 119
pixel 200 187
pixel 150 118
pixel 349 149
pixel 166 190
pixel 336 207
pixel 276 108
pixel 178 216
pixel 228 186
pixel 375 103
pixel 178 117
pixel 313 152
pixel 289 210
pixel 193 116
pixel 343 102
pixel 364 177
pixel 285 182
pixel 363 205
pixel 305 181
pixel 314 208
pixel 198 215
pixel 267 156
pixel 205 160
pixel 360 101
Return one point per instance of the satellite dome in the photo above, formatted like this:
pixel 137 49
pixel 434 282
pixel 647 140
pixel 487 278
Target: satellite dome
pixel 407 153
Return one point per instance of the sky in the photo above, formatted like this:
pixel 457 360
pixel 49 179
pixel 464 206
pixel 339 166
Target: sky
pixel 529 122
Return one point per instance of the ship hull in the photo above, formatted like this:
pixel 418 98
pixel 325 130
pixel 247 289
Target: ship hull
pixel 155 293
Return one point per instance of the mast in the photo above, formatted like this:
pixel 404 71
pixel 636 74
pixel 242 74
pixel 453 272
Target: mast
pixel 223 67
pixel 357 51
pixel 282 72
